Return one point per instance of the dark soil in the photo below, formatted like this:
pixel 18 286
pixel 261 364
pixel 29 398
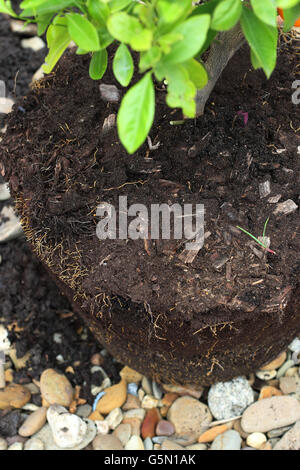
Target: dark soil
pixel 62 168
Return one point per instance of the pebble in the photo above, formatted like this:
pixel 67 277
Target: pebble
pixel 102 427
pixel 170 445
pixel 211 434
pixel 278 432
pixel 35 43
pixel 109 93
pixel 229 440
pixel 107 442
pixel 6 105
pixel 15 396
pixel 135 425
pixel 114 397
pixel 148 444
pixel 164 428
pixel 46 436
pixel 19 27
pixel 150 422
pixel 114 418
pixel 290 440
pixel 132 389
pixel 84 411
pixel 132 403
pixel 271 413
pixel 196 447
pixel 138 414
pixel 149 402
pixel 256 440
pixel 34 444
pixel 283 369
pixel 294 346
pixel 289 384
pixel 123 433
pixel 229 399
pixel 157 390
pixel 266 374
pixel 96 416
pixel 135 443
pixel 56 388
pixel 10 423
pixel 146 385
pixel 130 375
pixel 276 363
pixel 12 228
pixel 285 208
pixel 4 192
pixel 34 422
pixel 3 444
pixel 16 446
pixel 180 390
pixel 188 415
pixel 68 429
pixel 268 392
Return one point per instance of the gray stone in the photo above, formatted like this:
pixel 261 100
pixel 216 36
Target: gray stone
pixel 229 399
pixel 34 444
pixel 4 192
pixel 84 411
pixel 291 439
pixel 10 229
pixel 229 440
pixel 285 208
pixel 264 189
pixel 148 444
pixel 110 93
pixel 278 432
pixel 295 345
pixel 189 416
pixel 107 442
pixel 46 436
pixel 271 413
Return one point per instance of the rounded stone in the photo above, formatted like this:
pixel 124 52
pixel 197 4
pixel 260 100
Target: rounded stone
pixel 56 388
pixel 276 363
pixel 130 375
pixel 68 430
pixel 107 442
pixel 271 413
pixel 16 446
pixel 164 428
pixel 256 440
pixel 34 422
pixel 114 418
pixel 34 444
pixel 229 399
pixel 114 397
pixel 15 396
pixel 123 433
pixel 135 443
pixel 229 440
pixel 290 440
pixel 189 416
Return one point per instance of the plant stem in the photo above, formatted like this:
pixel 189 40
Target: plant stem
pixel 222 50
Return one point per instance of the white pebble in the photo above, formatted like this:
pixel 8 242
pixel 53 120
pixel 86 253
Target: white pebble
pixel 35 43
pixel 114 418
pixel 135 443
pixel 16 446
pixel 34 444
pixel 295 345
pixel 256 440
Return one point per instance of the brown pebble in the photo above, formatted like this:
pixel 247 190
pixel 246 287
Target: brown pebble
pixel 107 442
pixel 268 392
pixel 135 424
pixel 149 424
pixel 14 395
pixel 114 397
pixel 96 416
pixel 97 360
pixel 276 363
pixel 132 403
pixel 211 434
pixel 56 388
pixel 33 423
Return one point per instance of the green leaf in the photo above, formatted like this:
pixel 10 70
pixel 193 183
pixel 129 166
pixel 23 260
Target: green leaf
pixel 98 64
pixel 266 11
pixel 136 114
pixel 123 65
pixel 83 32
pixel 254 60
pixel 291 15
pixel 194 31
pixel 43 23
pixel 5 7
pixel 150 58
pixel 58 39
pixel 170 11
pixel 128 29
pixel 181 90
pixel 287 3
pixel 98 10
pixel 117 5
pixel 226 15
pixel 262 39
pixel 197 73
pixel 44 7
